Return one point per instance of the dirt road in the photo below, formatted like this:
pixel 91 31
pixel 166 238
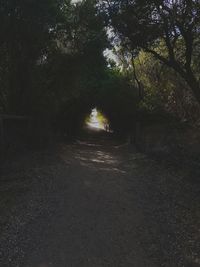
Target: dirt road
pixel 93 204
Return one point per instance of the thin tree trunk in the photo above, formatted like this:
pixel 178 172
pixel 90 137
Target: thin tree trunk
pixel 194 85
pixel 187 74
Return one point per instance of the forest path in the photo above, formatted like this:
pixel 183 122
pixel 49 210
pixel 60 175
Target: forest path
pixel 96 204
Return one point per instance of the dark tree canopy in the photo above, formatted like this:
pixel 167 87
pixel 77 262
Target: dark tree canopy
pixel 53 65
pixel 149 24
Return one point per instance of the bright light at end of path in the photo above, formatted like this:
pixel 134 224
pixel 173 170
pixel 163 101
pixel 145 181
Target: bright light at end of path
pixel 76 1
pixel 97 120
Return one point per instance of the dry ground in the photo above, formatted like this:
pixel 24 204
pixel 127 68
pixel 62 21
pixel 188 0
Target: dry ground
pixel 94 204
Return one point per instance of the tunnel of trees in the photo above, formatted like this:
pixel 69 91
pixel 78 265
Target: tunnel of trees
pixel 61 58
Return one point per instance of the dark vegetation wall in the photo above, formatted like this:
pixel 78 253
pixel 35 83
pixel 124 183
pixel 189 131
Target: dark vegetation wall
pixel 167 138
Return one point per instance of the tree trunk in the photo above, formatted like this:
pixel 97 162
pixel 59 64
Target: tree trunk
pixel 186 73
pixel 193 84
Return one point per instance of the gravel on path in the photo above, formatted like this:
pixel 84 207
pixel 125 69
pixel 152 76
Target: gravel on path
pixel 93 204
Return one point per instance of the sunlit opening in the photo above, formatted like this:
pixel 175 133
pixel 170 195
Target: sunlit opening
pixel 97 120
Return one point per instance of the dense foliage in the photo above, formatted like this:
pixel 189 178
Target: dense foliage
pixel 172 25
pixel 53 66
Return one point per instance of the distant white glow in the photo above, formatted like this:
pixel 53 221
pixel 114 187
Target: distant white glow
pixel 76 1
pixel 94 121
pixel 109 55
pixel 98 121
